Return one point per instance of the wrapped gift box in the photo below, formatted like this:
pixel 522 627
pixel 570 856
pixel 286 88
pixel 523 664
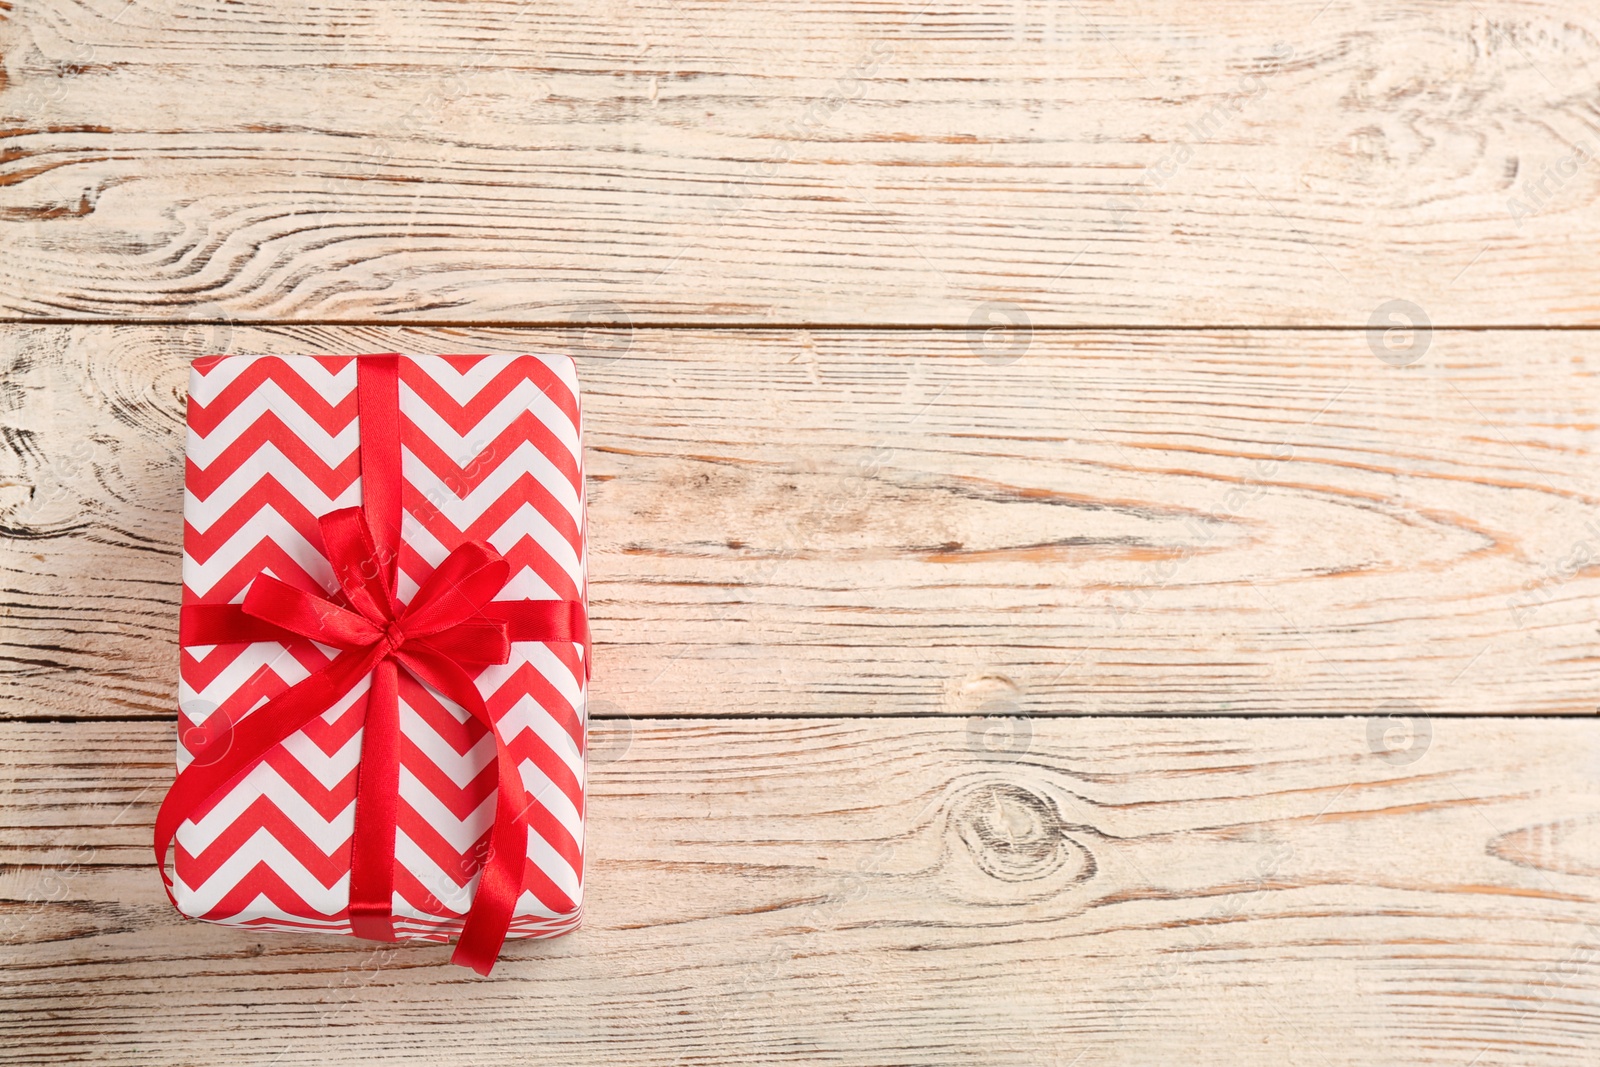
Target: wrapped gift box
pixel 489 451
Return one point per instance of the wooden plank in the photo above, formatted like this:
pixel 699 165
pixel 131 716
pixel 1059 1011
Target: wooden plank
pixel 1240 892
pixel 793 523
pixel 1094 162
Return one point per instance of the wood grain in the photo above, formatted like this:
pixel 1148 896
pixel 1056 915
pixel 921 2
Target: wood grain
pixel 867 522
pixel 1092 162
pixel 1250 892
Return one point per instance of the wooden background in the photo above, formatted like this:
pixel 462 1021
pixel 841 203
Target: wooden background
pixel 1095 538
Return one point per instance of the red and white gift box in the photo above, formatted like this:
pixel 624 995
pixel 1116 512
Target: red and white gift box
pixel 489 451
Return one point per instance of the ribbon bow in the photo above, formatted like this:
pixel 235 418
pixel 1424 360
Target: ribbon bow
pixel 430 637
pixel 434 631
pixel 453 619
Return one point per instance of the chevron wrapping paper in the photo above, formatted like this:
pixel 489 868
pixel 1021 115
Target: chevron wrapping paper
pixel 490 451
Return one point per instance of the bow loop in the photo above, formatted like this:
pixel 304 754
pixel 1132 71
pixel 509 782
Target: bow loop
pixel 364 571
pixel 446 613
pixel 457 590
pixel 308 615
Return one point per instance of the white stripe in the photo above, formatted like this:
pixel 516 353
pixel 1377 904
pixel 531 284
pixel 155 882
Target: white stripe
pixel 544 661
pixel 265 525
pixel 263 848
pixel 528 714
pixel 460 769
pixel 440 883
pixel 332 449
pixel 328 770
pixel 268 461
pixel 528 521
pixel 463 511
pixel 555 868
pixel 334 386
pixel 550 796
pixel 197 704
pixel 264 781
pixel 463 385
pixel 526 584
pixel 462 834
pixel 522 399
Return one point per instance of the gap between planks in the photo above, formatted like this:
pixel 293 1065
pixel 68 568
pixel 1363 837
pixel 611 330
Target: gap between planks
pixel 672 326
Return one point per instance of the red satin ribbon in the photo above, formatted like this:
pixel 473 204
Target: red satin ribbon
pixel 452 620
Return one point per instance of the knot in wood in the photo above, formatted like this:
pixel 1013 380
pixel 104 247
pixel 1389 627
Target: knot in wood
pixel 1013 833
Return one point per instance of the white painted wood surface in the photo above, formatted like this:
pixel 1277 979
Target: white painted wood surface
pixel 849 161
pixel 897 624
pixel 1113 891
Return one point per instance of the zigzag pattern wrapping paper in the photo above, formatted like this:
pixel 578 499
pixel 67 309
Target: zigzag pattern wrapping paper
pixel 491 451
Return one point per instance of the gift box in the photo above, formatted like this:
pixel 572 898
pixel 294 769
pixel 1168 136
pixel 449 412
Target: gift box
pixel 384 649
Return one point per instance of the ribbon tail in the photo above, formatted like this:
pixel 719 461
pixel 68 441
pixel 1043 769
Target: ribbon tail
pixel 247 742
pixel 500 882
pixel 377 809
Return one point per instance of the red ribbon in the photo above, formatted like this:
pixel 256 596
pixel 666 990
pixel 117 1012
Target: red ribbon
pixel 452 620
